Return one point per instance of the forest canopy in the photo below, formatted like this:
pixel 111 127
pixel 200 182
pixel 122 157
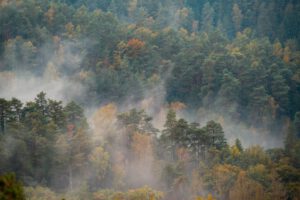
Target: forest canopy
pixel 150 99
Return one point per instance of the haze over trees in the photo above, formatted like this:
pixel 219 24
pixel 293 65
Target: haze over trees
pixel 150 99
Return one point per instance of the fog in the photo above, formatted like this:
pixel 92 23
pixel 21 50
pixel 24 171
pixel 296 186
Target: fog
pixel 59 67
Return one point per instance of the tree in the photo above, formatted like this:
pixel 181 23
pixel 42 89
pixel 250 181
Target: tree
pixel 75 118
pixel 134 47
pixel 165 138
pixel 237 17
pixel 42 104
pixel 170 122
pixel 296 123
pixel 3 114
pixel 223 177
pixel 280 91
pixel 10 188
pixel 259 104
pixel 99 160
pixel 254 155
pixel 15 110
pixel 247 189
pixel 215 134
pixel 238 144
pixel 208 14
pixel 197 141
pixel 36 193
pixel 56 113
pixel 137 121
pixel 228 94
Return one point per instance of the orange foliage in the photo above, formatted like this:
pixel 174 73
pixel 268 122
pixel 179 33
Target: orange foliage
pixel 277 50
pixel 135 43
pixel 246 189
pixel 135 46
pixel 141 145
pixel 287 54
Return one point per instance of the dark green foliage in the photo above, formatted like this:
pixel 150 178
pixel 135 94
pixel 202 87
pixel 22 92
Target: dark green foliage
pixel 10 188
pixel 296 123
pixel 210 53
pixel 179 133
pixel 237 59
pixel 59 155
pixel 33 130
pixel 74 115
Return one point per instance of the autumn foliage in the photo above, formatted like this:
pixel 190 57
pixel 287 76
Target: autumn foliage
pixel 135 47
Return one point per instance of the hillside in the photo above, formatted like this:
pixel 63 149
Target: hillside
pixel 161 99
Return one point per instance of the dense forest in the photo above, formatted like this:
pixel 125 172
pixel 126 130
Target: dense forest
pixel 150 100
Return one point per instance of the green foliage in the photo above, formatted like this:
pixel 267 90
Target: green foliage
pixel 222 56
pixel 55 149
pixel 10 188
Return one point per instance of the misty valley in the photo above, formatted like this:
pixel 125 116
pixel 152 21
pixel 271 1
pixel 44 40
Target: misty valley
pixel 149 100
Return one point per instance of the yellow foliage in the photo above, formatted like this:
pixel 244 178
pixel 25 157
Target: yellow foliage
pixel 145 32
pixel 223 175
pixel 50 14
pixel 209 197
pixel 287 54
pixel 234 150
pixel 131 27
pixel 122 46
pixel 70 29
pixel 183 32
pixel 235 51
pixel 257 169
pixel 83 74
pixel 29 45
pixel 167 30
pixel 246 189
pixel 144 193
pixel 182 13
pixel 154 78
pixel 141 145
pixel 104 119
pixel 132 6
pixel 99 159
pixel 277 50
pixel 117 59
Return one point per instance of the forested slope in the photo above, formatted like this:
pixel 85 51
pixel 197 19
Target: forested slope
pixel 231 66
